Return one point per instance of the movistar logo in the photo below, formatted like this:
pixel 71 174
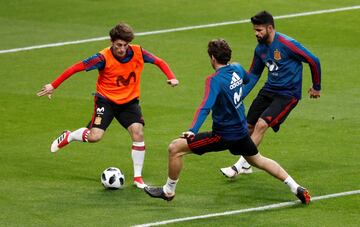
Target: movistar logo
pixel 272 66
pixel 121 81
pixel 100 110
pixel 235 81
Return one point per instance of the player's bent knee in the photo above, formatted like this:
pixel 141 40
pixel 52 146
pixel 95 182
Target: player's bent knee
pixel 136 132
pixel 176 146
pixel 173 147
pixel 138 136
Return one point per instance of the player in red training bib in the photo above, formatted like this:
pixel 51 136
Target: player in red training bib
pixel 117 93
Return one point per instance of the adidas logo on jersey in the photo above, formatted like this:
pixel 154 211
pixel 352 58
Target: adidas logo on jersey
pixel 235 81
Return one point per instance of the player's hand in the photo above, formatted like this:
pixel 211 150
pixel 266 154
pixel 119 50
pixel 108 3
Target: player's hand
pixel 173 82
pixel 48 89
pixel 187 134
pixel 314 94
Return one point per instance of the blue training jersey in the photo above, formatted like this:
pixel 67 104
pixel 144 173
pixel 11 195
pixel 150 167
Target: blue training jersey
pixel 283 58
pixel 224 97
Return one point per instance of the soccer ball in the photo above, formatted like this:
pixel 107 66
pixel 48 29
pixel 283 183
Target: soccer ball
pixel 112 178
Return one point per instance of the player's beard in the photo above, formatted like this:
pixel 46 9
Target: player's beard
pixel 263 39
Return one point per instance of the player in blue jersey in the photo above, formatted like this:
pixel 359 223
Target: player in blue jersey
pixel 224 98
pixel 283 57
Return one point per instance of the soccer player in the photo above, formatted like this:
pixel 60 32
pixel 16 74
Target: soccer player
pixel 224 97
pixel 117 93
pixel 283 56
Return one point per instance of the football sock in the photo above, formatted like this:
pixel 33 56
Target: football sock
pixel 170 186
pixel 138 156
pixel 242 163
pixel 80 134
pixel 292 184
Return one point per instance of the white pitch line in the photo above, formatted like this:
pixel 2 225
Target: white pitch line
pixel 179 29
pixel 262 208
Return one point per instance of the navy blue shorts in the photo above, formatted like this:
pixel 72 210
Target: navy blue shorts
pixel 205 142
pixel 105 111
pixel 272 108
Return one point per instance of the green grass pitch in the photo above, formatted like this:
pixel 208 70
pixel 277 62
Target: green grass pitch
pixel 318 145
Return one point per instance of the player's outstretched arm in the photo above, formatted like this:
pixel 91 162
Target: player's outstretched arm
pixel 150 58
pixel 171 79
pixel 48 89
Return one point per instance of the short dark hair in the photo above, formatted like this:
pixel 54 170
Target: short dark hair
pixel 263 18
pixel 122 31
pixel 220 49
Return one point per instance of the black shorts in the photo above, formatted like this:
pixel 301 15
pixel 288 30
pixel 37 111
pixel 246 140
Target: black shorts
pixel 272 108
pixel 105 111
pixel 205 142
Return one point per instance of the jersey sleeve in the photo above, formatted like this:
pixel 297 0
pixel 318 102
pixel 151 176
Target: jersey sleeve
pixel 212 90
pixel 254 74
pixel 97 61
pixel 150 58
pixel 77 67
pixel 299 52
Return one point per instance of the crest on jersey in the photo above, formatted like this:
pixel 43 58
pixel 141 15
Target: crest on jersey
pixel 277 55
pixel 97 120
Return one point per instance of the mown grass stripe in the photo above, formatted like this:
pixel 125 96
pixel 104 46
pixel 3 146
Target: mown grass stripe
pixel 247 210
pixel 178 29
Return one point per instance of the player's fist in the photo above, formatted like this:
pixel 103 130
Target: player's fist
pixel 314 94
pixel 173 82
pixel 188 134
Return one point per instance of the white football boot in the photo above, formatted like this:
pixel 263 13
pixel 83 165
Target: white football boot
pixel 232 171
pixel 139 183
pixel 60 142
